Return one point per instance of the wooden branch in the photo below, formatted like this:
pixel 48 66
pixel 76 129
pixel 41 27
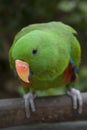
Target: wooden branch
pixel 48 109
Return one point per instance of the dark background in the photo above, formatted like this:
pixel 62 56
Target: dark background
pixel 16 14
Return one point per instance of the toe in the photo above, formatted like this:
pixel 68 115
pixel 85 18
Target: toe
pixel 76 97
pixel 27 111
pixel 29 102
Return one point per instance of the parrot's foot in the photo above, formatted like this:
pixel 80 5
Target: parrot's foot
pixel 76 97
pixel 29 102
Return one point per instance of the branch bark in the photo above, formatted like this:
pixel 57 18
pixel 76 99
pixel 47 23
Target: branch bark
pixel 48 110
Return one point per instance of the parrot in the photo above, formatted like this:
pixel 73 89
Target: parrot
pixel 46 55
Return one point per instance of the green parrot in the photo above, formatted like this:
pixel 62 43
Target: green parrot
pixel 46 55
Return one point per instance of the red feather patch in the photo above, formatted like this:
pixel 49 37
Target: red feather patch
pixel 68 73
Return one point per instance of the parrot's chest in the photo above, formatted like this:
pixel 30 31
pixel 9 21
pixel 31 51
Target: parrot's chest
pixel 59 81
pixel 42 85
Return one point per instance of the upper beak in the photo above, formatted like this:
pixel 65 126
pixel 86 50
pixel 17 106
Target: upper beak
pixel 23 71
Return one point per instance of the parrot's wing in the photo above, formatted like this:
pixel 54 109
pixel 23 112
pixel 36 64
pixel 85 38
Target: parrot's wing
pixel 75 53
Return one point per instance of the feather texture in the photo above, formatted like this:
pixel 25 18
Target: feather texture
pixel 56 50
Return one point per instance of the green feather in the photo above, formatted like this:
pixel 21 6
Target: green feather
pixel 55 43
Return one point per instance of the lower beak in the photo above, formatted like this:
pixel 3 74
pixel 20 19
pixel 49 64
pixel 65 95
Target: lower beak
pixel 24 78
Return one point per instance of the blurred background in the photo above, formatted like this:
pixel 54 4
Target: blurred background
pixel 16 14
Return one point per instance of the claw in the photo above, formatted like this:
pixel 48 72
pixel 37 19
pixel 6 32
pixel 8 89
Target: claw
pixel 29 101
pixel 76 97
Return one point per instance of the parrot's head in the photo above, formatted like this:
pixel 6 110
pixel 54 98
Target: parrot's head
pixel 37 53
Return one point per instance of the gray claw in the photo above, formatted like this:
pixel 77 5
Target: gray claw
pixel 76 97
pixel 29 101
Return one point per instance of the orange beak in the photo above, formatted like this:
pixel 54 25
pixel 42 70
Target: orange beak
pixel 22 69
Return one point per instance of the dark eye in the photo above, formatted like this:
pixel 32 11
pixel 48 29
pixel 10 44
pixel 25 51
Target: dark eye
pixel 34 51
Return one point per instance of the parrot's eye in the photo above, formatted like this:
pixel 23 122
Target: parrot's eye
pixel 34 51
